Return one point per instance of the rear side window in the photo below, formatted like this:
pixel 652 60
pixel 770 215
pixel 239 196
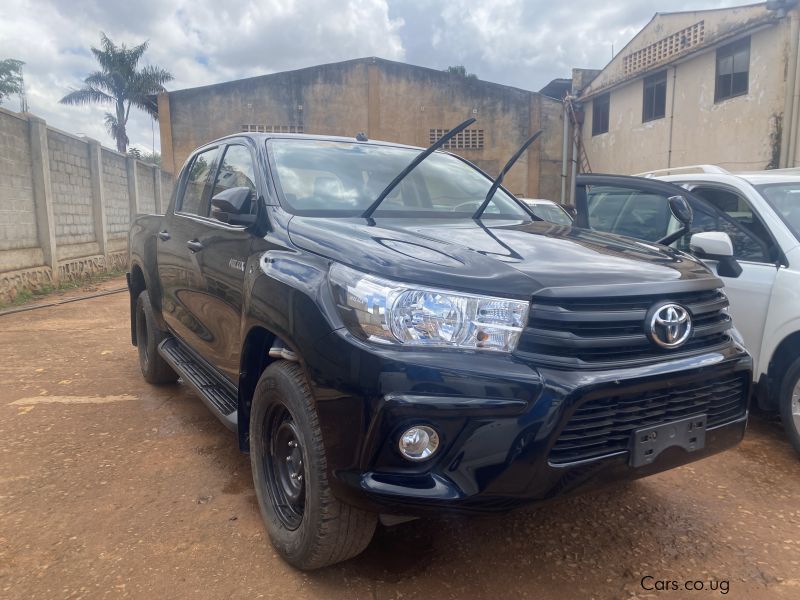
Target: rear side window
pixel 197 182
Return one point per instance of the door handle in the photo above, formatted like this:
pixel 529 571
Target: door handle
pixel 194 245
pixel 163 235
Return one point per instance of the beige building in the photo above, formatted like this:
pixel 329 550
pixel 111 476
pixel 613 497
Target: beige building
pixel 704 87
pixel 386 100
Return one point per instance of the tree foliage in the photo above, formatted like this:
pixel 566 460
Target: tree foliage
pixel 460 70
pixel 121 83
pixel 10 77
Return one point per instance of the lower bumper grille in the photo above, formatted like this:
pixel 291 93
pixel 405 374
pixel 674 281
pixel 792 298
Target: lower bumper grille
pixel 603 426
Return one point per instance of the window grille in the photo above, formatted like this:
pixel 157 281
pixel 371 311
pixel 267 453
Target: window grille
pixel 469 139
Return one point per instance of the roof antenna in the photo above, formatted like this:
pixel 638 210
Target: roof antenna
pixel 361 137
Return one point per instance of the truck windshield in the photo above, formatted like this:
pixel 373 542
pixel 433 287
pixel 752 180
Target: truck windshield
pixel 785 199
pixel 341 179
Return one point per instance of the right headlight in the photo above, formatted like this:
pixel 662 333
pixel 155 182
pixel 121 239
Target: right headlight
pixel 388 312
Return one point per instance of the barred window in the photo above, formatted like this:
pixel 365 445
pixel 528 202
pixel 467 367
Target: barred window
pixel 250 128
pixel 469 139
pixel 664 48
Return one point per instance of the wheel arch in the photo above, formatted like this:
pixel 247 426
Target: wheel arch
pixel 786 352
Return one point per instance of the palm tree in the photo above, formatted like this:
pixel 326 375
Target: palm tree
pixel 121 83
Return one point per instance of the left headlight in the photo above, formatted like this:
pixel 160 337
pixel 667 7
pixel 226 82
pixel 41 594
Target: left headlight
pixel 394 313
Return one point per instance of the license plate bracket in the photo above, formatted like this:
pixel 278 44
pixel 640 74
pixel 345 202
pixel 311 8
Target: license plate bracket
pixel 647 443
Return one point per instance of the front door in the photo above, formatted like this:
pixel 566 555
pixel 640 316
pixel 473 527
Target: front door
pixel 178 270
pixel 755 251
pixel 221 256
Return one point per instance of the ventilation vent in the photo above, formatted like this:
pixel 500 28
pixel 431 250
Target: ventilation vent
pixel 469 139
pixel 272 128
pixel 664 49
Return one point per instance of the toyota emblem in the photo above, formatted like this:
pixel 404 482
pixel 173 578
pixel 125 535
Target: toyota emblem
pixel 669 325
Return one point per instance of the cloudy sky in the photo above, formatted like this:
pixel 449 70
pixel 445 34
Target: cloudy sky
pixel 524 43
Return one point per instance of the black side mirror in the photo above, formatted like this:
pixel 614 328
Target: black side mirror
pixel 680 209
pixel 233 206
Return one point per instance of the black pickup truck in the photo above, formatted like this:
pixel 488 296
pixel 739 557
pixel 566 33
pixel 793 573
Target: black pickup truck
pixel 390 333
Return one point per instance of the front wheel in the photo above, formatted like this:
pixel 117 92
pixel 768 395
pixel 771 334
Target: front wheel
pixel 308 526
pixel 148 336
pixel 790 403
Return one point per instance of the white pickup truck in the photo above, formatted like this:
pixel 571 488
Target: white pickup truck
pixel 757 217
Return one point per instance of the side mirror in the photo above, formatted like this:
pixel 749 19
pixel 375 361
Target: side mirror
pixel 716 245
pixel 233 206
pixel 681 210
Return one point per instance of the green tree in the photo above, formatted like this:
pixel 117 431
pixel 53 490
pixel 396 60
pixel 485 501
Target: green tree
pixel 10 77
pixel 460 70
pixel 123 84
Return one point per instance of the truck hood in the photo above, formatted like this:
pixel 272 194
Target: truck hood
pixel 502 258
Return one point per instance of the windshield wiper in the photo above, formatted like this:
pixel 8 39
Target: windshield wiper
pixel 413 165
pixel 502 174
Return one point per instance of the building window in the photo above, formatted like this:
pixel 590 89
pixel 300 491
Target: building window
pixel 272 128
pixel 733 69
pixel 600 110
pixel 655 97
pixel 469 139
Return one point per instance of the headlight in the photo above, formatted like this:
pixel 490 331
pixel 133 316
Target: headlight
pixel 394 313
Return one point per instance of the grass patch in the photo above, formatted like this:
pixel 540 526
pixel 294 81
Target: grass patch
pixel 26 296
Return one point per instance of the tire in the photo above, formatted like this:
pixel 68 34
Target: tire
pixel 148 336
pixel 307 525
pixel 789 403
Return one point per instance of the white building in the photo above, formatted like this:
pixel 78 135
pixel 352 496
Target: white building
pixel 712 86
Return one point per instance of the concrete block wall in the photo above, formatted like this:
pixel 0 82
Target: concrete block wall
pixel 66 204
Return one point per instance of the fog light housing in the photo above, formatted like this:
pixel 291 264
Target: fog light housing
pixel 418 443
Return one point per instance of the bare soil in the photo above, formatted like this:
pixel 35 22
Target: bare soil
pixel 110 487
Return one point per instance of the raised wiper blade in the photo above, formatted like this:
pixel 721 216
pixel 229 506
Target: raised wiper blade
pixel 413 165
pixel 499 180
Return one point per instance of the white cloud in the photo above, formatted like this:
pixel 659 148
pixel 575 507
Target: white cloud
pixel 515 42
pixel 200 42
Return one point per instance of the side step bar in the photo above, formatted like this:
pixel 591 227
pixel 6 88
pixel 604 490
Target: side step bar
pixel 218 395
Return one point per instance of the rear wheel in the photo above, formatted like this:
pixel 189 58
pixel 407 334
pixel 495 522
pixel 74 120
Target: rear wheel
pixel 308 526
pixel 790 403
pixel 148 336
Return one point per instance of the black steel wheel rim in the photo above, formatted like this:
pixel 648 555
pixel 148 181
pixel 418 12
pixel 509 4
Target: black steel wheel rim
pixel 284 466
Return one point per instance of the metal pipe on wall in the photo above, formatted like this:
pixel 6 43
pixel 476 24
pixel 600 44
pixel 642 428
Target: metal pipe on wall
pixel 564 157
pixel 790 116
pixel 789 93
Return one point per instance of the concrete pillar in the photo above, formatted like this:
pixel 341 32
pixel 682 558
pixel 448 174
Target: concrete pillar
pixel 43 193
pixel 165 133
pixel 157 191
pixel 373 102
pixel 133 187
pixel 534 152
pixel 98 197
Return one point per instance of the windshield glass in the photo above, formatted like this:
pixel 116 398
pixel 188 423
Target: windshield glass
pixel 341 179
pixel 785 199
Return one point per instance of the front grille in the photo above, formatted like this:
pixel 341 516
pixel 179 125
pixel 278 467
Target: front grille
pixel 604 425
pixel 602 331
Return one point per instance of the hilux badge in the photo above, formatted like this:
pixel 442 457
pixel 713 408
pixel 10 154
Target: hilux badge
pixel 236 264
pixel 669 325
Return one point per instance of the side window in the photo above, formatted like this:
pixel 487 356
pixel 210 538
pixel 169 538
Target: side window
pixel 733 70
pixel 197 182
pixel 600 114
pixel 750 238
pixel 236 170
pixel 628 211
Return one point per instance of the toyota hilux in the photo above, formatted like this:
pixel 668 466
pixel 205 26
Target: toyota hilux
pixel 390 333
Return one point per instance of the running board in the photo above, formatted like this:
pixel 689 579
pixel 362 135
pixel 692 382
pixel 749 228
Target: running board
pixel 217 394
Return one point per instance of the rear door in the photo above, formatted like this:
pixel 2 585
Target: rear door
pixel 221 253
pixel 181 283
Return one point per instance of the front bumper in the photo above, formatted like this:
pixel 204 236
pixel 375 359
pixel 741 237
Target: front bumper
pixel 499 420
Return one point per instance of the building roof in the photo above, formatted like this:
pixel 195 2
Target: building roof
pixel 332 68
pixel 672 37
pixel 557 88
